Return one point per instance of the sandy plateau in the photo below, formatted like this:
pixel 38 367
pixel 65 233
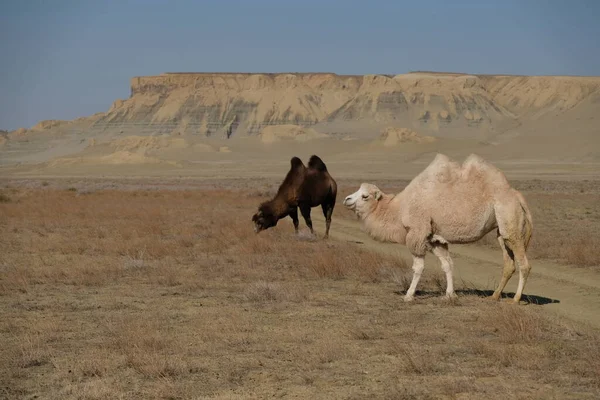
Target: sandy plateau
pixel 129 267
pixel 211 124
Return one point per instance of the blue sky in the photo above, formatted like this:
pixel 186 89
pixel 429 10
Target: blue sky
pixel 63 59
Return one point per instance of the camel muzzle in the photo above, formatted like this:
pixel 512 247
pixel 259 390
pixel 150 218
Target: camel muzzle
pixel 348 202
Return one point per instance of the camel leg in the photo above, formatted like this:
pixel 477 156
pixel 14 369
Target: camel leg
pixel 418 266
pixel 524 268
pixel 294 216
pixel 441 251
pixel 327 211
pixel 305 210
pixel 509 268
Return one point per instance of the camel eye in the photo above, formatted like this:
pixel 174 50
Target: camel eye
pixel 365 196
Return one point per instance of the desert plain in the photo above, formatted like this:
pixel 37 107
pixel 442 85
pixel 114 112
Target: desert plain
pixel 129 267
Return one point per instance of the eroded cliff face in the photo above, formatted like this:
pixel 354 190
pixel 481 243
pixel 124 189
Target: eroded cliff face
pixel 226 104
pixel 207 103
pixel 237 104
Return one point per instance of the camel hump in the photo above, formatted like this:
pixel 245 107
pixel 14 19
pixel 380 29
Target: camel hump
pixel 296 162
pixel 441 159
pixel 475 165
pixel 475 159
pixel 441 169
pixel 316 163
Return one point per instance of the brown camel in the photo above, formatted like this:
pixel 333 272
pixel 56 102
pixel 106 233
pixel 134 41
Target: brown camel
pixel 302 188
pixel 450 203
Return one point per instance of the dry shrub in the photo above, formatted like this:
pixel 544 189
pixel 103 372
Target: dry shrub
pixel 525 339
pixel 327 350
pixel 521 356
pixel 417 360
pixel 14 278
pixel 340 260
pixel 263 291
pixel 515 325
pixel 156 365
pixel 149 348
pixel 403 281
pixel 92 389
pixel 95 363
pixel 438 281
pixel 366 330
pixel 579 251
pixel 32 350
pixel 31 342
pixel 258 245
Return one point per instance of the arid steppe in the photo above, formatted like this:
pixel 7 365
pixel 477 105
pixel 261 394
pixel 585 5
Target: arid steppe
pixel 129 267
pixel 160 289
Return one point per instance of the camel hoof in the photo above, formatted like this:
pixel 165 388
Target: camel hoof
pixel 451 296
pixel 494 297
pixel 408 299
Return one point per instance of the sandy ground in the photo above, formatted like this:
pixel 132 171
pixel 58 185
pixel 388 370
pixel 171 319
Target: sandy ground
pixel 245 158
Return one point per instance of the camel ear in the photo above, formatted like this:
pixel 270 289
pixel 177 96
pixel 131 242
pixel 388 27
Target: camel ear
pixel 378 195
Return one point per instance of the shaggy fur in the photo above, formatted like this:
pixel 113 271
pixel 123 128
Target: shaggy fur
pixel 449 203
pixel 302 188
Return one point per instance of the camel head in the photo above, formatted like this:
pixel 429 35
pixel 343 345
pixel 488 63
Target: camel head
pixel 364 200
pixel 264 218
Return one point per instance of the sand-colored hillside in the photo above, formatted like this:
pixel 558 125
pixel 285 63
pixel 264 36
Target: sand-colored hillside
pixel 238 104
pixel 228 119
pixel 116 158
pixel 135 150
pixel 48 124
pixel 245 103
pixel 143 144
pixel 277 133
pixel 391 137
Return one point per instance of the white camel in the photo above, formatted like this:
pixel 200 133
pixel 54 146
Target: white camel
pixel 450 203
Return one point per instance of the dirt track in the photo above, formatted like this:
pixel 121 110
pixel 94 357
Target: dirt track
pixel 571 292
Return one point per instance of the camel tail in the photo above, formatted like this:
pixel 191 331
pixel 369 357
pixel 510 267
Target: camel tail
pixel 528 227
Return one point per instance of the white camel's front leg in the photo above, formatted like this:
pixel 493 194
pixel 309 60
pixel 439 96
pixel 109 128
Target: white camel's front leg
pixel 418 266
pixel 441 251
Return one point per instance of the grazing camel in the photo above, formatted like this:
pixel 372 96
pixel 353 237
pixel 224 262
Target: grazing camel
pixel 449 203
pixel 302 188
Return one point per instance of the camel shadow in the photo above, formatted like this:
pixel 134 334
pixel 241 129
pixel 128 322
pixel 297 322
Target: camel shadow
pixel 526 298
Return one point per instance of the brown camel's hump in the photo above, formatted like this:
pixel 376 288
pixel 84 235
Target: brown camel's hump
pixel 294 177
pixel 296 162
pixel 316 163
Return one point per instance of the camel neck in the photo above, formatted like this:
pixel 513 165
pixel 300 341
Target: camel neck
pixel 383 210
pixel 385 221
pixel 279 206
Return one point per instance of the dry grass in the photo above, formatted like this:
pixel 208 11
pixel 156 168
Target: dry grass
pixel 169 294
